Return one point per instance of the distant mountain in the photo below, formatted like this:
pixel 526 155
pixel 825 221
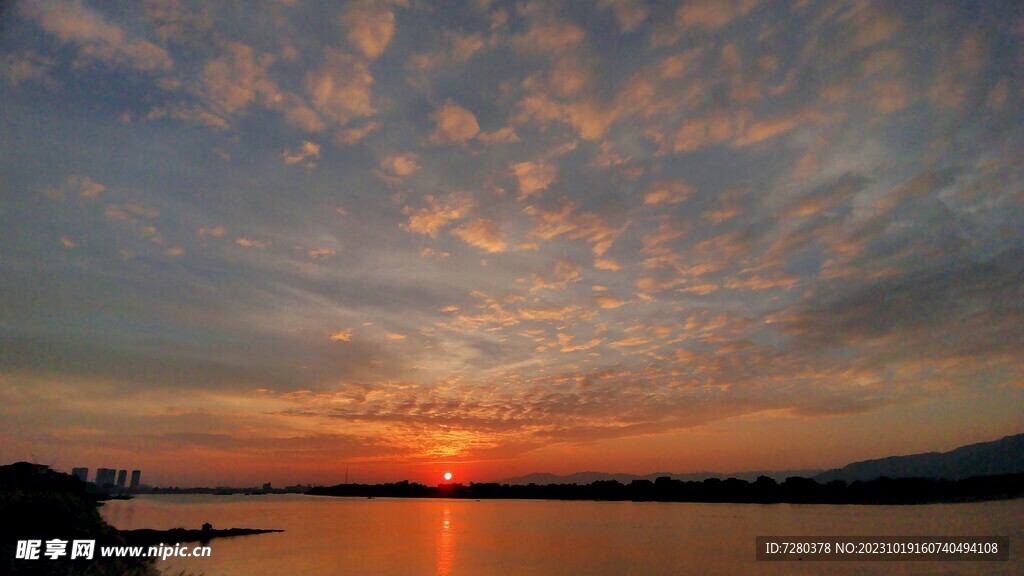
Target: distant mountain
pixel 543 478
pixel 1005 456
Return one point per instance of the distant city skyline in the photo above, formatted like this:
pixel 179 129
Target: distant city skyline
pixel 289 241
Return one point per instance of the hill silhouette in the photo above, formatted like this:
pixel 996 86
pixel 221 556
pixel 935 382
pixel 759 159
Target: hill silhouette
pixel 37 503
pixel 1003 456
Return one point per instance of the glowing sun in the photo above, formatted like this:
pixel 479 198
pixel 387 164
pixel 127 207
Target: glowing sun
pixel 447 475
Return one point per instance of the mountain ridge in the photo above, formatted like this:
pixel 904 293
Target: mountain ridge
pixel 995 457
pixel 1002 456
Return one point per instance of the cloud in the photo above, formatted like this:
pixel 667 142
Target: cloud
pixel 320 253
pixel 712 14
pixel 250 243
pixel 607 264
pixel 453 124
pixel 908 314
pixel 341 88
pixel 564 220
pixel 232 80
pixel 21 67
pixel 534 177
pixel 215 232
pixel 370 27
pixel 73 23
pixel 341 335
pixel 563 273
pixel 632 341
pixel 352 136
pixel 565 342
pixel 131 212
pixel 83 186
pixel 304 154
pixel 608 302
pixel 547 33
pixel 483 234
pixel 460 48
pixel 629 13
pixel 404 164
pixel 668 191
pixel 437 214
pixel 503 135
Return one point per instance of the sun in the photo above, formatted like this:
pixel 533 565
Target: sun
pixel 447 475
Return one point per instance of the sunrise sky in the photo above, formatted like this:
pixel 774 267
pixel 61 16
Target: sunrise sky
pixel 269 241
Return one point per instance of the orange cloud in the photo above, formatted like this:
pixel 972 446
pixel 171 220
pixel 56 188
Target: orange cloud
pixel 370 27
pixel 587 226
pixel 564 273
pixel 482 234
pixel 629 13
pixel 341 335
pixel 668 191
pixel 232 80
pixel 352 136
pixel 250 243
pixel 341 88
pixel 73 23
pixel 534 177
pixel 303 154
pixel 712 14
pixel 403 164
pixel 320 253
pixel 453 124
pixel 215 232
pixel 130 212
pixel 608 302
pixel 437 214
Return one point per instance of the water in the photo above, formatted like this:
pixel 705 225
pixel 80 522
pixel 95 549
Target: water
pixel 325 535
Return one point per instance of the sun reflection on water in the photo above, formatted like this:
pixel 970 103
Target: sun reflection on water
pixel 445 545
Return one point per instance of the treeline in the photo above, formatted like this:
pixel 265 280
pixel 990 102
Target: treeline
pixel 764 490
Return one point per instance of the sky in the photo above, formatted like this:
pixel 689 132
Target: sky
pixel 285 240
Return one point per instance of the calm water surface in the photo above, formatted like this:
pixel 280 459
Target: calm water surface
pixel 325 535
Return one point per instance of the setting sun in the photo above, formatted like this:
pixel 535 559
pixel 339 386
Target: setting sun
pixel 447 475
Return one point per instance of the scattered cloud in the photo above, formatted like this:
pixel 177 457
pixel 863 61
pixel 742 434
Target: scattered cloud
pixel 404 164
pixel 534 177
pixel 341 89
pixel 453 124
pixel 483 234
pixel 341 335
pixel 305 154
pixel 250 243
pixel 438 214
pixel 370 27
pixel 72 23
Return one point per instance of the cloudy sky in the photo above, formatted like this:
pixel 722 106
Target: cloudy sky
pixel 249 241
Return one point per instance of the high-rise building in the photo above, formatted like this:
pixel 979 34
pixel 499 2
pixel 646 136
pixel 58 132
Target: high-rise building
pixel 105 476
pixel 122 477
pixel 82 473
pixel 136 476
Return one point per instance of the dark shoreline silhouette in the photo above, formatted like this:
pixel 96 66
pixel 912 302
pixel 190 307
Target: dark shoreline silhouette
pixel 794 490
pixel 150 537
pixel 37 503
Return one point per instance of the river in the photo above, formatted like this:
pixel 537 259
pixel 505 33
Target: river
pixel 327 536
